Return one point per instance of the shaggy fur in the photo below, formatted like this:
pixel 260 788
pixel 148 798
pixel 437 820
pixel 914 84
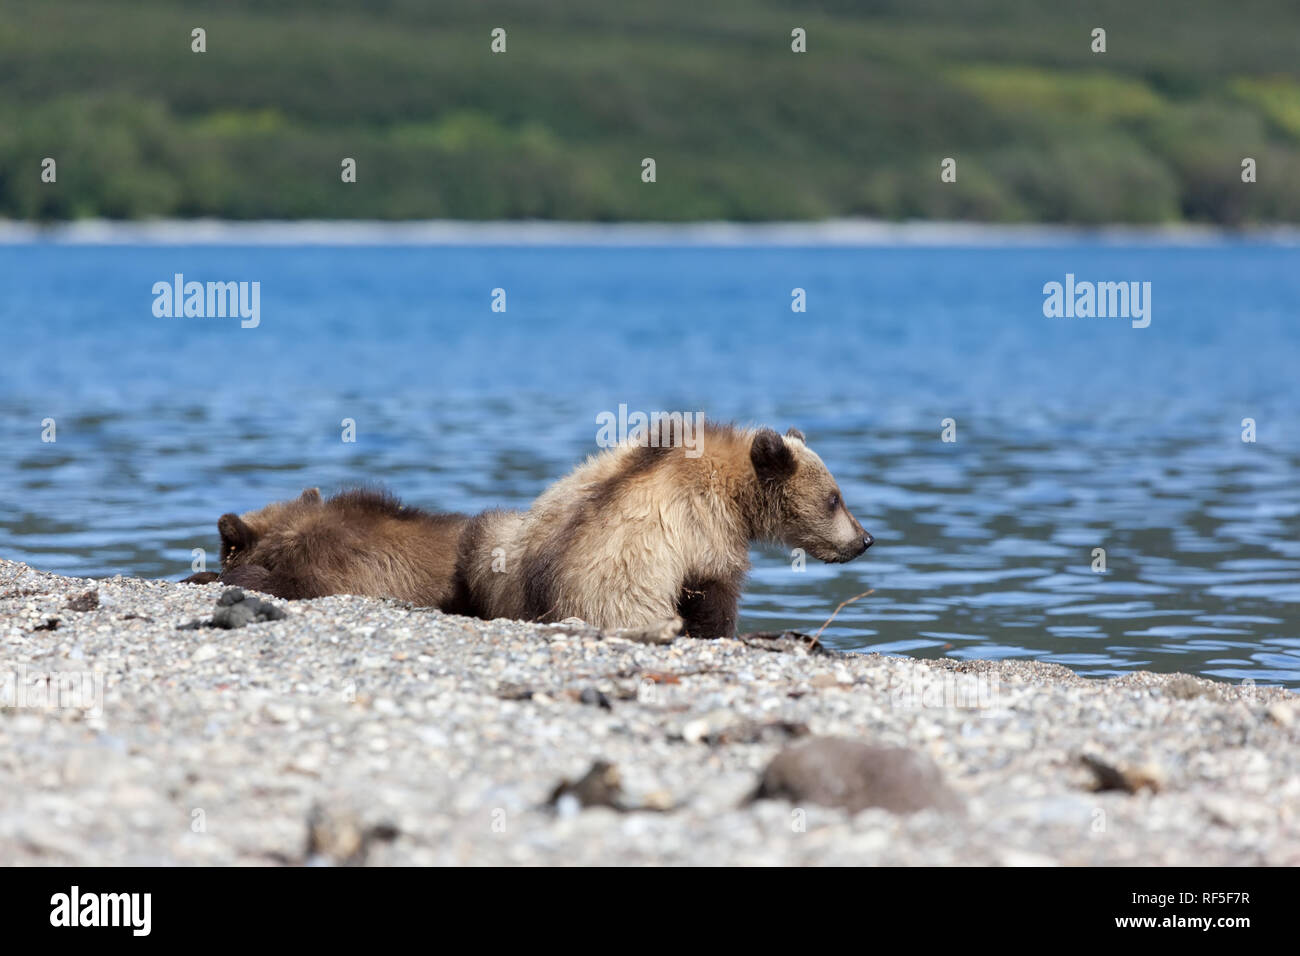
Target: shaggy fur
pixel 357 542
pixel 639 535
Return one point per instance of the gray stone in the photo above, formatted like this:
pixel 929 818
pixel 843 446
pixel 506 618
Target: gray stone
pixel 834 772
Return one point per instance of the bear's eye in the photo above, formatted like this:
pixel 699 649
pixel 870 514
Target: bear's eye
pixel 833 502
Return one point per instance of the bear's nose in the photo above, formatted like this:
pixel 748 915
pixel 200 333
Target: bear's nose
pixel 867 540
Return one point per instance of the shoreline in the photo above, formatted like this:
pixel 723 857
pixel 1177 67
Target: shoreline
pixel 355 730
pixel 830 233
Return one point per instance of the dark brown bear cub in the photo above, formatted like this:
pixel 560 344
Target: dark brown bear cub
pixel 639 535
pixel 357 542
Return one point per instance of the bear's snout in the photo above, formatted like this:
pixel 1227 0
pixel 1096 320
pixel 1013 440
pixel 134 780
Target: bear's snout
pixel 860 547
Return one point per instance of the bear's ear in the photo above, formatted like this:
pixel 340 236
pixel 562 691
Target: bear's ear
pixel 310 496
pixel 772 458
pixel 795 433
pixel 235 535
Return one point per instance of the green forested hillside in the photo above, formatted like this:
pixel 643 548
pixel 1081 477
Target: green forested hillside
pixel 740 127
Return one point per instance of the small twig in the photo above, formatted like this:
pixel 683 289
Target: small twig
pixel 815 637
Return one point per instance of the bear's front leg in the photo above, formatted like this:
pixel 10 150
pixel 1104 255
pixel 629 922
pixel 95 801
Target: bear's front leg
pixel 708 608
pixel 254 577
pixel 201 577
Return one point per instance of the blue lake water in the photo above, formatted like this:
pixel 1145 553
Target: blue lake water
pixel 1072 434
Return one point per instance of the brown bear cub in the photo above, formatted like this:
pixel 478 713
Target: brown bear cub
pixel 357 542
pixel 639 535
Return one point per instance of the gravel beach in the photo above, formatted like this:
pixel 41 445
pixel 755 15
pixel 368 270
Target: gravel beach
pixel 359 731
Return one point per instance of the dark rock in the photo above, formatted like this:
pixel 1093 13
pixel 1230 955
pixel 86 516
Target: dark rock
pixel 266 611
pixel 755 732
pixel 84 602
pixel 784 642
pixel 835 772
pixel 51 624
pixel 510 691
pixel 1125 777
pixel 340 838
pixel 234 615
pixel 600 787
pixel 247 610
pixel 594 697
pixel 236 609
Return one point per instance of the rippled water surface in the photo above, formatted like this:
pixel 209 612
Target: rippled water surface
pixel 1072 434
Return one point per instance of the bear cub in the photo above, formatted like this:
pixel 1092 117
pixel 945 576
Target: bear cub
pixel 356 542
pixel 641 534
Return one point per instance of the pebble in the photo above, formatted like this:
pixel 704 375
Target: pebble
pixel 836 772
